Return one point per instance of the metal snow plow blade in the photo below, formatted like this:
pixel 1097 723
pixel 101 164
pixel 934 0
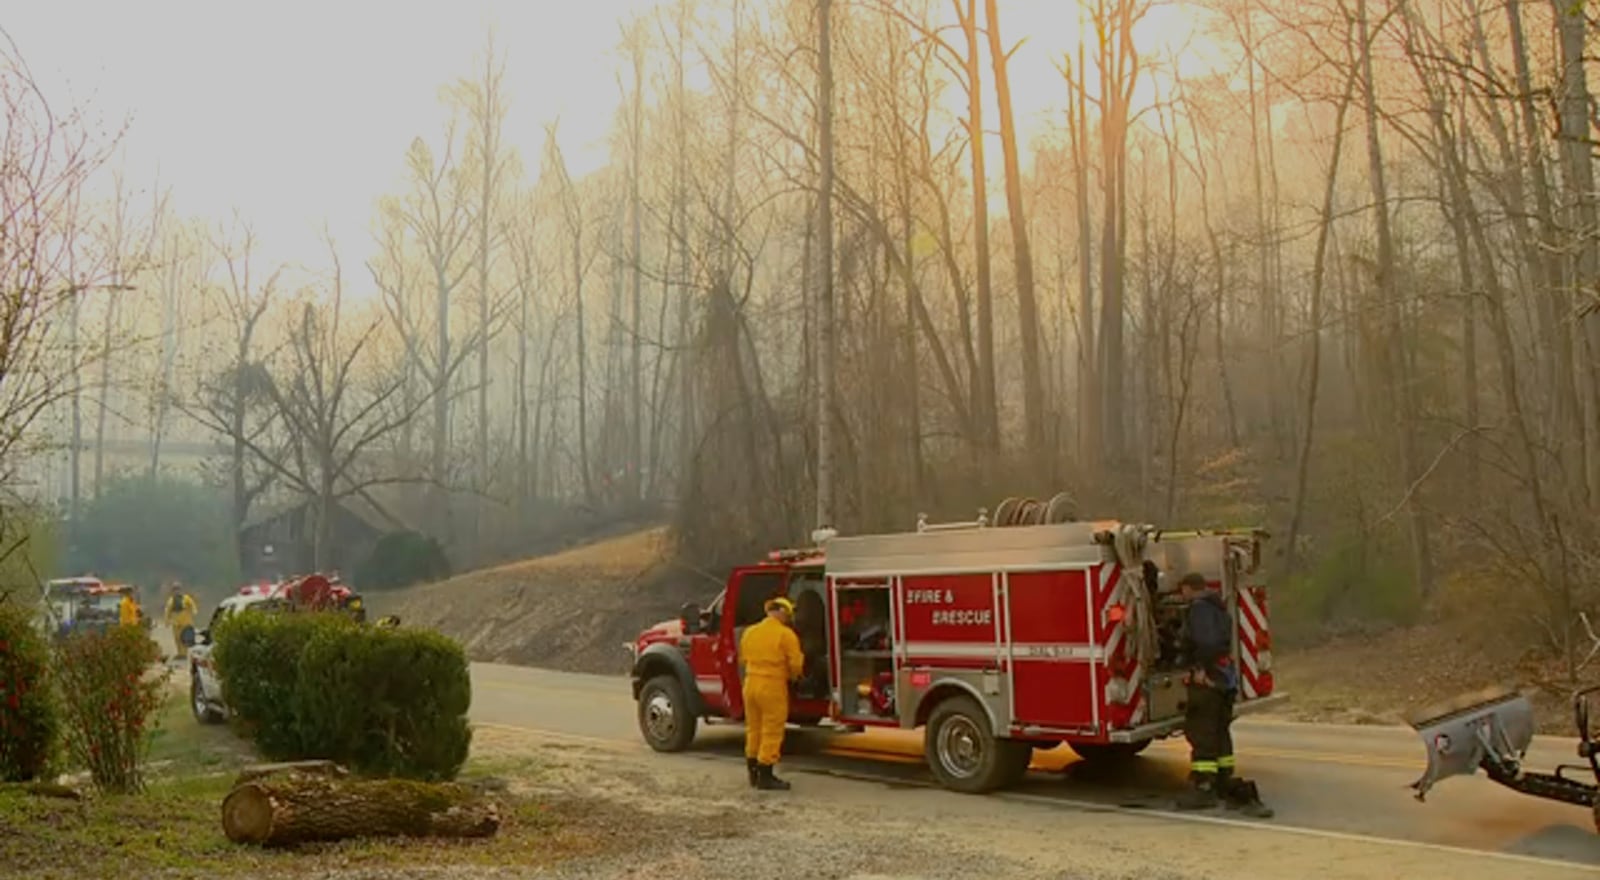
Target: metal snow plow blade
pixel 1491 729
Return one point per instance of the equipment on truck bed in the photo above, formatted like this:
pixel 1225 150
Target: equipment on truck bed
pixel 1492 729
pixel 996 636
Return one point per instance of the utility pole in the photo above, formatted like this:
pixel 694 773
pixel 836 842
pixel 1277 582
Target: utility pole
pixel 825 350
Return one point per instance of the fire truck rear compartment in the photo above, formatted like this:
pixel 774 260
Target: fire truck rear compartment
pixel 866 653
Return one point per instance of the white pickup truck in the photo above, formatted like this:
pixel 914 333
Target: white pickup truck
pixel 205 686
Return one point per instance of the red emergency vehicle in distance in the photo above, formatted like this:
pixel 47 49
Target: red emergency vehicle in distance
pixel 997 640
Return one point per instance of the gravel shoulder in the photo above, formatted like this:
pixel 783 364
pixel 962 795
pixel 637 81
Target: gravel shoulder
pixel 693 816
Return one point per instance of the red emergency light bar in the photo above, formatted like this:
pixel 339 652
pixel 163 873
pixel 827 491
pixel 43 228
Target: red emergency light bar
pixel 793 555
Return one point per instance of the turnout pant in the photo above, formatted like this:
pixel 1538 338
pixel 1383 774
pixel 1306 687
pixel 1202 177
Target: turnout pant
pixel 1207 726
pixel 766 711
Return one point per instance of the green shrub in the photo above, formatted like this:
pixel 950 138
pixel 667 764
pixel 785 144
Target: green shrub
pixel 386 702
pixel 110 699
pixel 1357 582
pixel 381 701
pixel 401 559
pixel 30 722
pixel 258 659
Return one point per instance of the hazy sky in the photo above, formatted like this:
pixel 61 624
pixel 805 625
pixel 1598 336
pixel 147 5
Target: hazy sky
pixel 295 112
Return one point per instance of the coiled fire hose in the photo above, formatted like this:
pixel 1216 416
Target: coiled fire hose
pixel 1139 626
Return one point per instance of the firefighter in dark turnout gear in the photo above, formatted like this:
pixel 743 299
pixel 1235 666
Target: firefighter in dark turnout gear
pixel 1213 684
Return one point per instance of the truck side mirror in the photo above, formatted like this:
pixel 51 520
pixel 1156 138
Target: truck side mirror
pixel 689 615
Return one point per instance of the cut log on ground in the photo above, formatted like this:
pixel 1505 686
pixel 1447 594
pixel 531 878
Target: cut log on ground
pixel 301 808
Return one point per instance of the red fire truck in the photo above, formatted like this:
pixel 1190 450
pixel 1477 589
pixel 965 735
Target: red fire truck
pixel 996 639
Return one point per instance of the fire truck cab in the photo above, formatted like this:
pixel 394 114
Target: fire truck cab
pixel 996 640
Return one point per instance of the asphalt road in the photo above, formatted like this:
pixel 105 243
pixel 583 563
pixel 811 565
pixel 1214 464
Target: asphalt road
pixel 1320 779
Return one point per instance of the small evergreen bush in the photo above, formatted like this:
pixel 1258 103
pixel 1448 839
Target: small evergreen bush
pixel 384 702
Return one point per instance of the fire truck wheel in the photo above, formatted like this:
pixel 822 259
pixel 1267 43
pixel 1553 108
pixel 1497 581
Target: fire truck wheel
pixel 664 717
pixel 963 752
pixel 1106 753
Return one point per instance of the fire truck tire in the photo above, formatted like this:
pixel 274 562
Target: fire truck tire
pixel 664 716
pixel 1106 753
pixel 964 753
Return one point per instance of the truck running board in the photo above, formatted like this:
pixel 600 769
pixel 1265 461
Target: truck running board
pixel 1491 729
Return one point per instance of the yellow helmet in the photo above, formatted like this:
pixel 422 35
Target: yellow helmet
pixel 780 602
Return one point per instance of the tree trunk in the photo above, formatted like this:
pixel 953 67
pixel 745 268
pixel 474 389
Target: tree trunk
pixel 524 467
pixel 1583 215
pixel 169 353
pixel 1021 250
pixel 636 436
pixel 303 808
pixel 1319 264
pixel 1118 73
pixel 105 391
pixel 583 365
pixel 1392 358
pixel 1557 370
pixel 1088 364
pixel 679 235
pixel 440 513
pixel 825 328
pixel 985 404
pixel 75 459
pixel 909 336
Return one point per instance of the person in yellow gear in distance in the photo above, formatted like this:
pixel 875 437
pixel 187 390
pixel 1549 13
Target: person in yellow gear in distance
pixel 770 653
pixel 128 610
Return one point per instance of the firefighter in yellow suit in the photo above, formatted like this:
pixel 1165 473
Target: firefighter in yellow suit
pixel 128 610
pixel 770 652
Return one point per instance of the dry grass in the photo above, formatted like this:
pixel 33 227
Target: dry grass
pixel 174 828
pixel 571 610
pixel 1376 679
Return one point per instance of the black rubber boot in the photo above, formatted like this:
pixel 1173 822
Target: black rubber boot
pixel 754 767
pixel 769 782
pixel 1202 793
pixel 1242 796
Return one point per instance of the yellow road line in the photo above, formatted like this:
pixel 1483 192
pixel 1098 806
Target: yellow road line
pixel 1057 758
pixel 898 745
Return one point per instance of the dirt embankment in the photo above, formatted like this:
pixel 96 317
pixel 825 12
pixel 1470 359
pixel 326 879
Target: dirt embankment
pixel 571 611
pixel 1377 679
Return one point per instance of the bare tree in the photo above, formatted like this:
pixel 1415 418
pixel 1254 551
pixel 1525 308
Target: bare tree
pixel 437 216
pixel 825 327
pixel 334 406
pixel 1021 247
pixel 485 103
pixel 234 402
pixel 47 263
pixel 573 215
